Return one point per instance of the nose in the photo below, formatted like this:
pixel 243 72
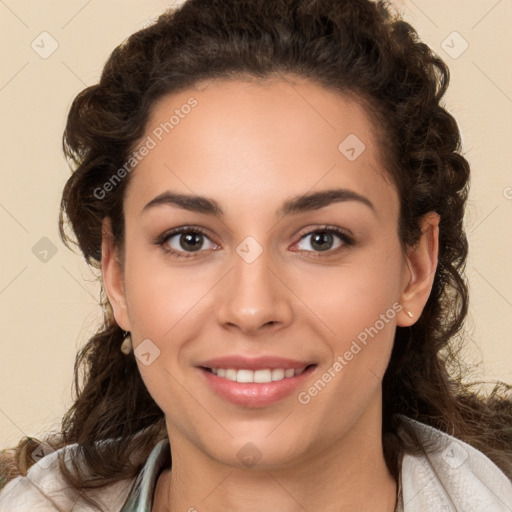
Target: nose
pixel 253 298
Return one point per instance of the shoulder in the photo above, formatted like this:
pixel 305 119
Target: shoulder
pixel 451 475
pixel 44 489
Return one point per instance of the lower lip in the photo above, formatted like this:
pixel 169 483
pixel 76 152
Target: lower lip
pixel 252 394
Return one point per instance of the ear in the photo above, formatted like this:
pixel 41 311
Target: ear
pixel 113 278
pixel 421 261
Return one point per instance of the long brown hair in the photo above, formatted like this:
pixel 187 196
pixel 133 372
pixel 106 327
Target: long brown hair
pixel 356 47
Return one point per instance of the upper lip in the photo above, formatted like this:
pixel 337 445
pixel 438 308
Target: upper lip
pixel 254 363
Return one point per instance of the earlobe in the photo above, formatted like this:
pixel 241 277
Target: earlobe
pixel 421 264
pixel 113 279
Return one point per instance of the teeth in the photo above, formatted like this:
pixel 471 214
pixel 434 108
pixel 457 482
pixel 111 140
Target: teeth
pixel 243 375
pixel 230 374
pixel 278 374
pixel 259 376
pixel 263 376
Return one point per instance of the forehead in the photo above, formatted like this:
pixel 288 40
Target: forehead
pixel 266 139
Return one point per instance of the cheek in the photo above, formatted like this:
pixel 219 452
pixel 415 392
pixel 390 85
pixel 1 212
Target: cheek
pixel 161 296
pixel 362 322
pixel 357 305
pixel 352 297
pixel 164 302
pixel 163 305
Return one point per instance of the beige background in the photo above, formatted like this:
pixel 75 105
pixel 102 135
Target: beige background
pixel 48 308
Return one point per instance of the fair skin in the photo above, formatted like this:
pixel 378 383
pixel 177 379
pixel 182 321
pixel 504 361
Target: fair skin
pixel 250 147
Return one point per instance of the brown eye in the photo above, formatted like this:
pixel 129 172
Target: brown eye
pixel 323 240
pixel 191 241
pixel 187 241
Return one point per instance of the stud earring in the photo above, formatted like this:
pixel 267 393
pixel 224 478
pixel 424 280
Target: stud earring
pixel 409 314
pixel 126 345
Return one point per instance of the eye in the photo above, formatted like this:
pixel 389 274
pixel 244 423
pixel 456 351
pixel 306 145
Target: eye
pixel 323 240
pixel 185 240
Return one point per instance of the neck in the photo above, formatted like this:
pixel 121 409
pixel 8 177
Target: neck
pixel 350 475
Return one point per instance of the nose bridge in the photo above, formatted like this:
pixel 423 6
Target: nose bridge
pixel 253 297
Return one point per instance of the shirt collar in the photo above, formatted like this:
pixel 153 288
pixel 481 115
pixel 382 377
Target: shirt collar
pixel 140 498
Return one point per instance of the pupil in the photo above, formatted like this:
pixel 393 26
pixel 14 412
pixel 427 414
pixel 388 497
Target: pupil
pixel 322 241
pixel 191 241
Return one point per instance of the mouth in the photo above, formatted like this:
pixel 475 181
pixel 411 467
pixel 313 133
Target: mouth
pixel 256 383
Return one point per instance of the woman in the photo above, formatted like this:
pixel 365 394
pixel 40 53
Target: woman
pixel 274 196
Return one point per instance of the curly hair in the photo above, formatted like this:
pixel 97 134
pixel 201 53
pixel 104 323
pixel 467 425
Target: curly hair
pixel 355 47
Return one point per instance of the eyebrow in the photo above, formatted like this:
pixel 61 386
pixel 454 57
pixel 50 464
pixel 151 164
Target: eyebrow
pixel 304 203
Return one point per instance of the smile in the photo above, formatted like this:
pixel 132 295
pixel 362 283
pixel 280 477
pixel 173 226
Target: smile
pixel 258 387
pixel 258 376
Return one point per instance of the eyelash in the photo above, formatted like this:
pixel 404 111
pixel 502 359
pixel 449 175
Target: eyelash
pixel 346 239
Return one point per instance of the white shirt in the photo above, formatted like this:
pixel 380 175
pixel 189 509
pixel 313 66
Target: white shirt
pixel 454 477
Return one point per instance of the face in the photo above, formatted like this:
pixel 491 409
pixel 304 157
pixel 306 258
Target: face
pixel 261 242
